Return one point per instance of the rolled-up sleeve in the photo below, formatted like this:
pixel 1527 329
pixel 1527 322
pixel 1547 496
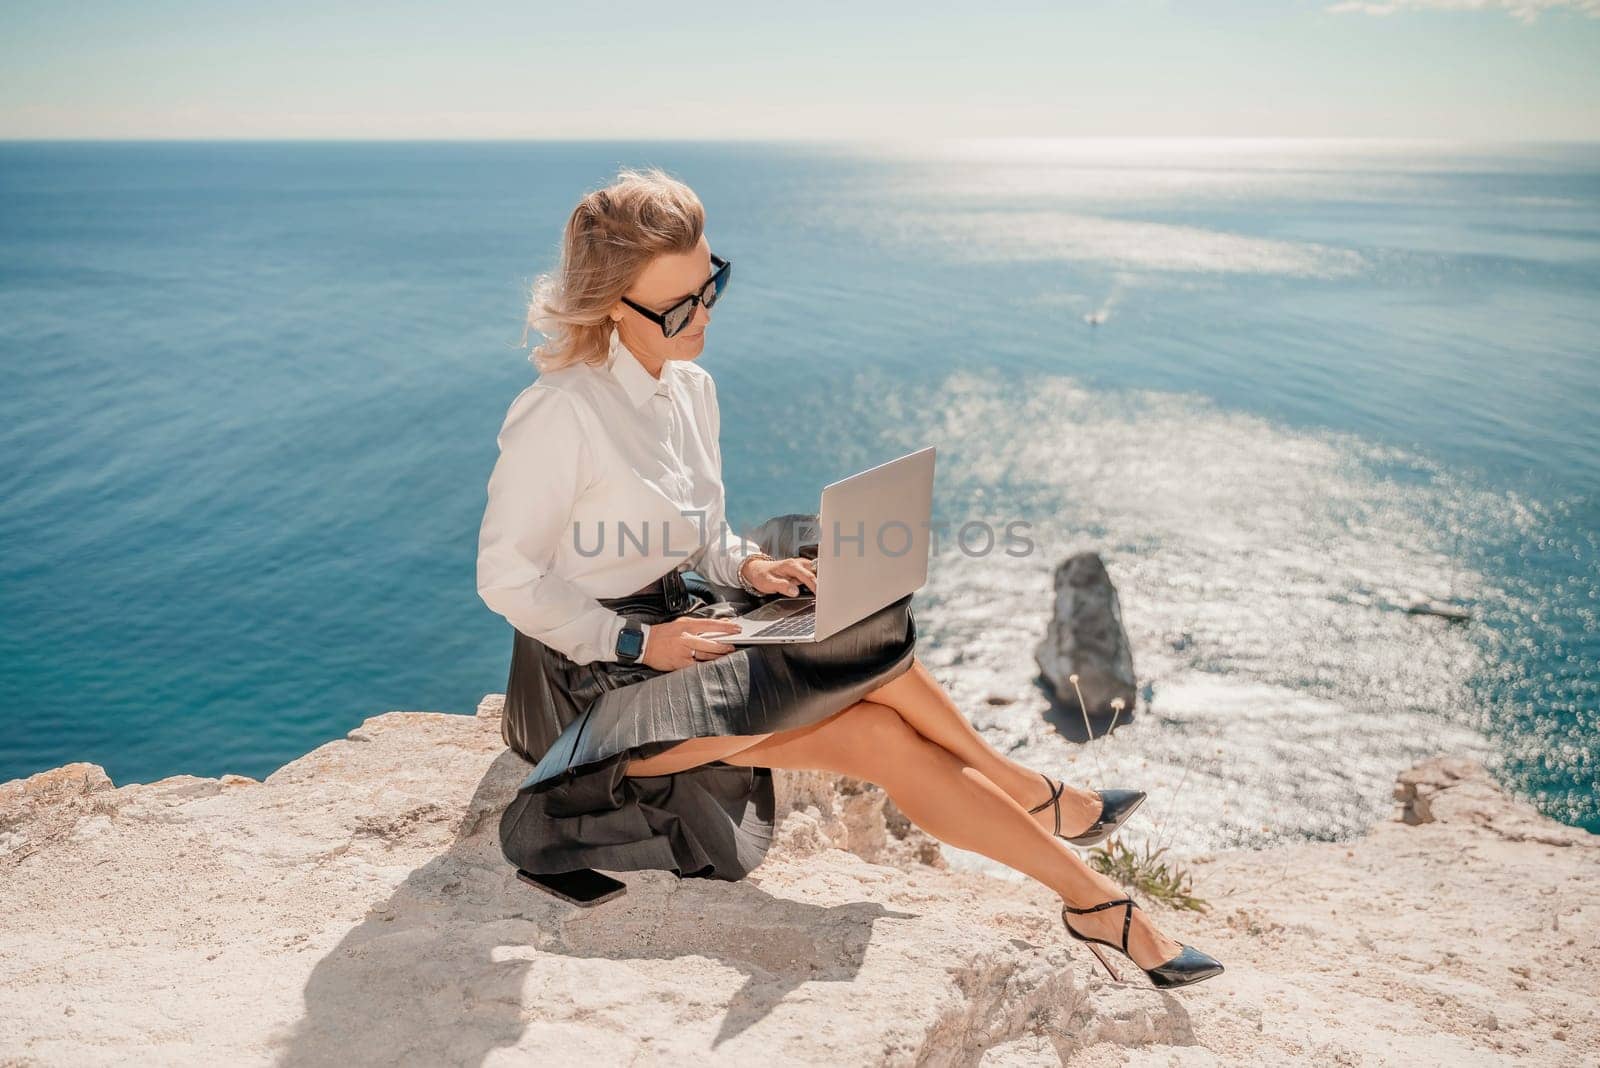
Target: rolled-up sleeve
pixel 719 560
pixel 545 462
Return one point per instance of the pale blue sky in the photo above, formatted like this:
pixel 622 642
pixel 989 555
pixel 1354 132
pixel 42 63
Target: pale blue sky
pixel 1493 69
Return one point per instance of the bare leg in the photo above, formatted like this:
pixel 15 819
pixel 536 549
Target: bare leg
pixel 927 706
pixel 692 753
pixel 955 803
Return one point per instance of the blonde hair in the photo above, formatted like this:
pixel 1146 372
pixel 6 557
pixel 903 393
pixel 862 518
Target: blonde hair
pixel 611 236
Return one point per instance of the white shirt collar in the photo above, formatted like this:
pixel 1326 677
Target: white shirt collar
pixel 638 383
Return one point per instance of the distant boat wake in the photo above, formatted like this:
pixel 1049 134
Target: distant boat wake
pixel 1096 318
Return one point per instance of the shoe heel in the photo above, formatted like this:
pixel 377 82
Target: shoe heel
pixel 1190 966
pixel 1101 957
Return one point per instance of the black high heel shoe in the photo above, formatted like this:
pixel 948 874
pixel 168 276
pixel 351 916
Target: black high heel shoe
pixel 1190 966
pixel 1115 808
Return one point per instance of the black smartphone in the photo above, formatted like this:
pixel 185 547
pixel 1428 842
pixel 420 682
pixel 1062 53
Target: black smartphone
pixel 582 887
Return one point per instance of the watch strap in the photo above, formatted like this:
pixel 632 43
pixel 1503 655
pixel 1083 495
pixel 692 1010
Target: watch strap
pixel 625 638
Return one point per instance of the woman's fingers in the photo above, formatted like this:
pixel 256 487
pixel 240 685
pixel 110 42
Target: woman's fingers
pixel 795 572
pixel 697 635
pixel 694 648
pixel 707 645
pixel 703 625
pixel 702 644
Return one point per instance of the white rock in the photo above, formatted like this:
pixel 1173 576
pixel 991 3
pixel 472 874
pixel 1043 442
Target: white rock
pixel 354 908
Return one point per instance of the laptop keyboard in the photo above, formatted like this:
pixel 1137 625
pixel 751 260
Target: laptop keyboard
pixel 797 625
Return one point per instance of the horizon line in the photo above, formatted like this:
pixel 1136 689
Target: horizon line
pixel 864 139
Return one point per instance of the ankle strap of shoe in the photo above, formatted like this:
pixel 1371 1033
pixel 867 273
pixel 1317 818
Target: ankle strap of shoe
pixel 1127 916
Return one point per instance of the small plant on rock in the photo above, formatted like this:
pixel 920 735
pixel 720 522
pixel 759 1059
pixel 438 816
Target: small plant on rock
pixel 1147 872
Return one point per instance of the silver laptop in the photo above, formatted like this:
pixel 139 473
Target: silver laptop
pixel 873 542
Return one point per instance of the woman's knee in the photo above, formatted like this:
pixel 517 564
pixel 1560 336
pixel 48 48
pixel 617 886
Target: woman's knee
pixel 877 726
pixel 881 745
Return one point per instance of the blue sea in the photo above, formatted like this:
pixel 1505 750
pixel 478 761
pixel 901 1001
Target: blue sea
pixel 1284 389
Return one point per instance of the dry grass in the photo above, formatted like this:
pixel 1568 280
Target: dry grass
pixel 1146 873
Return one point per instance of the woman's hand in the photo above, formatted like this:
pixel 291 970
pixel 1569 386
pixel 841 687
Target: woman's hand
pixel 675 644
pixel 781 576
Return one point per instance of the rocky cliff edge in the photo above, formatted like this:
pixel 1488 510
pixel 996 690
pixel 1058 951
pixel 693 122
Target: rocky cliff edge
pixel 354 908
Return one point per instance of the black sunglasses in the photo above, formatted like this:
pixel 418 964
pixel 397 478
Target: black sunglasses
pixel 674 319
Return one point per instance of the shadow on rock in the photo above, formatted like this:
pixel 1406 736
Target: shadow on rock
pixel 1068 720
pixel 438 971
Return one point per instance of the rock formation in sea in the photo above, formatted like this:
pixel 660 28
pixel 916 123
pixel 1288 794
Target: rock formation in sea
pixel 1085 636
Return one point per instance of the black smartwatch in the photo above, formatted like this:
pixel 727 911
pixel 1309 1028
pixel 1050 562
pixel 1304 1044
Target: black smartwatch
pixel 630 641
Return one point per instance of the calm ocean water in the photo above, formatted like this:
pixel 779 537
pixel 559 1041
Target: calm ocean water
pixel 253 391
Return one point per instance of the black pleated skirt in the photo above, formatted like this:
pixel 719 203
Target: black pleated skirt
pixel 579 725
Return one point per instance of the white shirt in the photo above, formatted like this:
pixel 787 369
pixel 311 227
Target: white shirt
pixel 594 460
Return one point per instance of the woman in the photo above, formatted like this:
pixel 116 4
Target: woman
pixel 604 543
